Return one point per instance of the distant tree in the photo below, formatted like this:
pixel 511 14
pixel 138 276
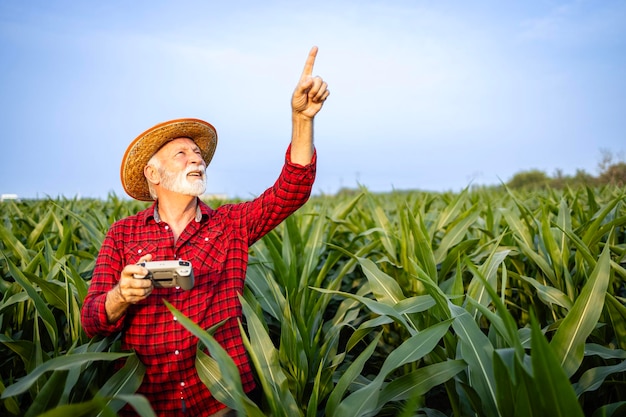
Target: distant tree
pixel 559 180
pixel 606 160
pixel 614 174
pixel 611 168
pixel 582 177
pixel 532 179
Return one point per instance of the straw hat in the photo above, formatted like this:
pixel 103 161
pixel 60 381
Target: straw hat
pixel 149 142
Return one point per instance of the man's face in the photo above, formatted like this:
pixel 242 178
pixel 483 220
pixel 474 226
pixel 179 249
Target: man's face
pixel 181 167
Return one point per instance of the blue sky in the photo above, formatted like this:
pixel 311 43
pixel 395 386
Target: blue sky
pixel 430 95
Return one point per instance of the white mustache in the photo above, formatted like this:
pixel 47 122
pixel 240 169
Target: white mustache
pixel 193 168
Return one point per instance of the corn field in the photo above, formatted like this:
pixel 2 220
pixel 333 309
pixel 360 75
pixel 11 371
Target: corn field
pixel 480 303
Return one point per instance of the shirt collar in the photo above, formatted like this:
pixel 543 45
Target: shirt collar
pixel 157 217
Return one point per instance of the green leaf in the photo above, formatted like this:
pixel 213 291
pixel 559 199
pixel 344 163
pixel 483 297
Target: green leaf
pixel 266 290
pixel 506 387
pixel 420 381
pixel 53 292
pixel 486 275
pixel 217 371
pixel 617 315
pixel 14 244
pixel 266 361
pixel 385 288
pixel 364 402
pixel 139 403
pixel 59 363
pixel 313 245
pixel 569 340
pixel 452 210
pixel 594 230
pixel 593 378
pixel 222 388
pixel 40 305
pixel 604 352
pixel 549 294
pixel 126 381
pixel 348 376
pixel 42 224
pixel 424 251
pixel 10 404
pixel 417 304
pixel 384 229
pixel 24 348
pixel 611 410
pixel 49 395
pixel 557 397
pixel 88 408
pixel 456 233
pixel 415 347
pixel 553 252
pixel 477 351
pixel 96 234
pixel 377 307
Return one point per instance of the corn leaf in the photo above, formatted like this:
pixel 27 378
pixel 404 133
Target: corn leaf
pixel 124 382
pixel 557 397
pixel 477 351
pixel 364 402
pixel 549 294
pixel 348 377
pixel 593 378
pixel 385 288
pixel 42 308
pixel 617 315
pixel 49 395
pixel 456 233
pixel 424 251
pixel 611 410
pixel 218 371
pixel 59 363
pixel 420 381
pixel 266 360
pixel 569 340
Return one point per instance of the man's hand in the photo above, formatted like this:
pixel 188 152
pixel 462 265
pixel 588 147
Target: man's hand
pixel 129 290
pixel 311 92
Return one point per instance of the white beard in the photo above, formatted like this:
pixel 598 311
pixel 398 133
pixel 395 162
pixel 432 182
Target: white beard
pixel 180 183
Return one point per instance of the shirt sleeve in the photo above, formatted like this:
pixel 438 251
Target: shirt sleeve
pixel 105 276
pixel 291 191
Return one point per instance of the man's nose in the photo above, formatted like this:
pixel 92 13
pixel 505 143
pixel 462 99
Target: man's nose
pixel 196 159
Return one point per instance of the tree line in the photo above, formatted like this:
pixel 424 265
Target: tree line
pixel 612 171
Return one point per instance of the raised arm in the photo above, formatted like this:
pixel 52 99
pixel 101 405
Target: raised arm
pixel 306 102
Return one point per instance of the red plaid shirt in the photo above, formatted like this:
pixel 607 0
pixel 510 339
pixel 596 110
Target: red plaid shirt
pixel 217 245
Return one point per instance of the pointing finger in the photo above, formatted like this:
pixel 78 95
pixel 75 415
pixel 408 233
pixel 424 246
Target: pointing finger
pixel 308 66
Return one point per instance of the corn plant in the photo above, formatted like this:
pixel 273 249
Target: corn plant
pixel 49 367
pixel 484 302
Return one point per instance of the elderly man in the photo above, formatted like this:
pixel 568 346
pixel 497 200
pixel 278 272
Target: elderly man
pixel 167 164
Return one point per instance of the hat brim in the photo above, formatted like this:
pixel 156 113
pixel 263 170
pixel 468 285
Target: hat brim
pixel 149 142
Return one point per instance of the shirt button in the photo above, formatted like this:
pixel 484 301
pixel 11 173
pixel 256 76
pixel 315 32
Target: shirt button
pixel 182 384
pixel 139 251
pixel 167 227
pixel 176 352
pixel 206 239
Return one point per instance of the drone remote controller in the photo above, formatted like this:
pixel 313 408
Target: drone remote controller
pixel 168 274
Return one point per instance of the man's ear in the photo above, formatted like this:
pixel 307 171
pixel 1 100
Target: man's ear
pixel 152 174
